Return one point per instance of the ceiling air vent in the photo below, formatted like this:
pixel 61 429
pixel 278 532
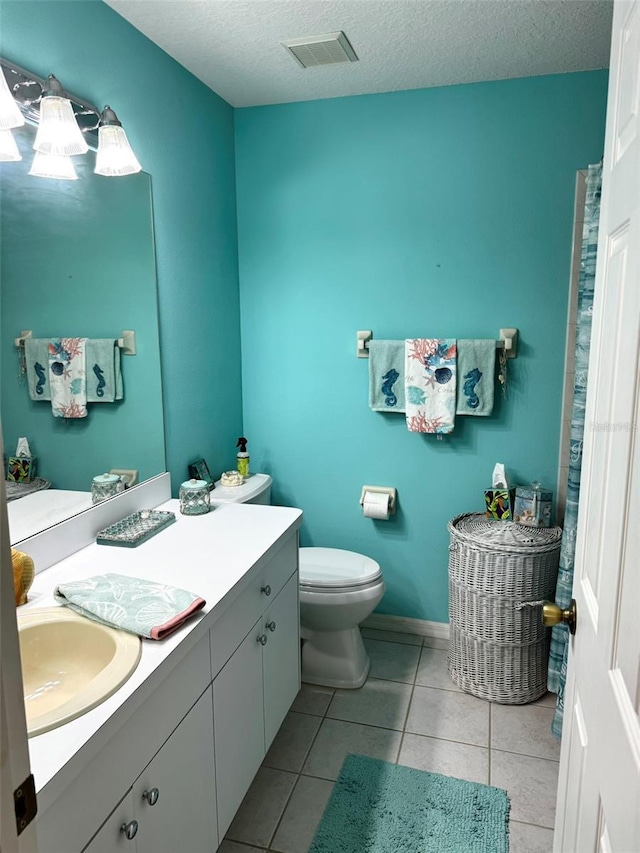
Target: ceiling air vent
pixel 329 49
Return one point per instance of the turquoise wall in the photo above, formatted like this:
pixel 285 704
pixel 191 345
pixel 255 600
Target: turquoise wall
pixel 183 135
pixel 440 212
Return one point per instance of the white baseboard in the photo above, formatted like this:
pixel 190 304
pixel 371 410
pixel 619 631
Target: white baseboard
pixel 421 627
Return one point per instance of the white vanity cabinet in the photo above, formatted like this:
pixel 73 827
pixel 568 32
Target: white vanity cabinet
pixel 172 803
pixel 254 690
pixel 177 757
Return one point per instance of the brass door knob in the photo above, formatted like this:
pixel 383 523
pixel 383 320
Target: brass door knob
pixel 552 614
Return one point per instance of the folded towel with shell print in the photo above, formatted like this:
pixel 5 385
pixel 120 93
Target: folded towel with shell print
pixel 143 607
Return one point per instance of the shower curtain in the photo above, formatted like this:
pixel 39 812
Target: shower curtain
pixel 560 634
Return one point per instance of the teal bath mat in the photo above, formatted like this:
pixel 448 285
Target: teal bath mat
pixel 377 807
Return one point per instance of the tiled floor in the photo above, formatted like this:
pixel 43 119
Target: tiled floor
pixel 411 713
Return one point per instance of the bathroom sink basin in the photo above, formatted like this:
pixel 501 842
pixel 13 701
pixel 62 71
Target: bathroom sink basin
pixel 70 664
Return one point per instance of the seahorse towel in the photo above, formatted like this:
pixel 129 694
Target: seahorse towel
pixel 67 377
pixel 139 606
pixel 103 369
pixel 476 369
pixel 430 384
pixel 104 375
pixel 386 376
pixel 36 353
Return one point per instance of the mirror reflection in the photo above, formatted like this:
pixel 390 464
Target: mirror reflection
pixel 77 260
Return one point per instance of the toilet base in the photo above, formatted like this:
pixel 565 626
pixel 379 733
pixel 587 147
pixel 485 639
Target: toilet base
pixel 334 658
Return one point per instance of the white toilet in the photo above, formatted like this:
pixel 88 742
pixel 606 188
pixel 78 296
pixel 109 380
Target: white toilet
pixel 338 590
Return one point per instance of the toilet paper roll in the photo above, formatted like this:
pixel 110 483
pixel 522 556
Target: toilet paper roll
pixel 376 505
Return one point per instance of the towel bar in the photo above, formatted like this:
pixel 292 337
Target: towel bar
pixel 127 342
pixel 507 342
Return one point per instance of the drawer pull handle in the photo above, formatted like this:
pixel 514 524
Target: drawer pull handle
pixel 266 589
pixel 262 639
pixel 271 626
pixel 151 796
pixel 130 829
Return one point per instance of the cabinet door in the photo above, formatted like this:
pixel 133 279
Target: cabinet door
pixel 175 796
pixel 238 714
pixel 281 658
pixel 111 838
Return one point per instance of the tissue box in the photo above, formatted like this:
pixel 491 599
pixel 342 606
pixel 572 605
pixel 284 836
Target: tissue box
pixel 499 503
pixel 21 469
pixel 533 507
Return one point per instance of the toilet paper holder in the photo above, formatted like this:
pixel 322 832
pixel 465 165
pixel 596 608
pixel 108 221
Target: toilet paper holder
pixel 381 490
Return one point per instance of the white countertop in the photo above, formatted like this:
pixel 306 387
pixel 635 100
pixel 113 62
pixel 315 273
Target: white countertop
pixel 208 555
pixel 39 510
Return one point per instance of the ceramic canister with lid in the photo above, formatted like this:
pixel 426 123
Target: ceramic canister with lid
pixel 194 497
pixel 105 486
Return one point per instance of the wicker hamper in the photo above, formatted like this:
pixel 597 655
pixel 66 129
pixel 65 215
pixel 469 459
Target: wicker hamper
pixel 499 572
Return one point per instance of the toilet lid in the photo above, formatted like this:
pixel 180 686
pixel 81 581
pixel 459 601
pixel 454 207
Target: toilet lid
pixel 331 567
pixel 253 486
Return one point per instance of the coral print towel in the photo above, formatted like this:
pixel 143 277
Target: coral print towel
pixel 430 384
pixel 142 607
pixel 68 377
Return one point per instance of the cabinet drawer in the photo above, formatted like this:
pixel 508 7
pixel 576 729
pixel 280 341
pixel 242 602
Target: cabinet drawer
pixel 100 785
pixel 233 625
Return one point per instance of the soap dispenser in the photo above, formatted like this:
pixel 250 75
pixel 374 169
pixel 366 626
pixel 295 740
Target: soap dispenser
pixel 243 457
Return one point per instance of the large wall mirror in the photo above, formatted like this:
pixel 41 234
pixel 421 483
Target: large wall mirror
pixel 77 259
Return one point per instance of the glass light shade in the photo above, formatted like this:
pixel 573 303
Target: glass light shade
pixel 53 166
pixel 115 156
pixel 8 148
pixel 58 131
pixel 10 115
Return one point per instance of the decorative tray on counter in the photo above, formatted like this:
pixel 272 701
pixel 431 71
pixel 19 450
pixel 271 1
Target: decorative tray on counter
pixel 135 528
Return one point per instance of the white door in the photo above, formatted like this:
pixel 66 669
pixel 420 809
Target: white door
pixel 238 725
pixel 175 796
pixel 281 658
pixel 599 786
pixel 14 751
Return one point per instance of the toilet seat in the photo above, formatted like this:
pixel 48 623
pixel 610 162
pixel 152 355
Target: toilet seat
pixel 334 570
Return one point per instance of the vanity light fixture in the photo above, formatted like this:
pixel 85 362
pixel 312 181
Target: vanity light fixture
pixel 58 131
pixel 57 166
pixel 67 126
pixel 115 156
pixel 9 152
pixel 10 116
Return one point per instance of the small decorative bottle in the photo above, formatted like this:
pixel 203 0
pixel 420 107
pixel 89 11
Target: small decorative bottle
pixel 243 458
pixel 195 498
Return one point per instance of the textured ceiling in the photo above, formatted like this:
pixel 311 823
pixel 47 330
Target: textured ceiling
pixel 234 46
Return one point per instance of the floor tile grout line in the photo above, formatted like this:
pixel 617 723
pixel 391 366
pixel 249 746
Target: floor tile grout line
pixel 286 806
pixel 313 742
pixel 526 823
pixel 406 717
pixel 490 746
pixel 527 755
pixel 394 642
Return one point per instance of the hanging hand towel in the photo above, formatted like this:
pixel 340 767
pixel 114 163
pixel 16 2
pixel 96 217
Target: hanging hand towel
pixel 476 368
pixel 67 377
pixel 430 384
pixel 142 607
pixel 386 376
pixel 36 353
pixel 104 376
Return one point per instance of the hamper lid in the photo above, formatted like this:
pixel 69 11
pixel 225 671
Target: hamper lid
pixel 494 534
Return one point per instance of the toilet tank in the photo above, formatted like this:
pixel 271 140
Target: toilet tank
pixel 255 490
